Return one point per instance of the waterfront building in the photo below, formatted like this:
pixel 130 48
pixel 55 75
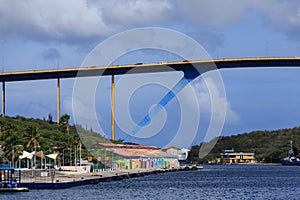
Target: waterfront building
pixel 124 156
pixel 231 157
pixel 182 154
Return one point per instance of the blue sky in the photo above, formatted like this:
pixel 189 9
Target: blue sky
pixel 59 34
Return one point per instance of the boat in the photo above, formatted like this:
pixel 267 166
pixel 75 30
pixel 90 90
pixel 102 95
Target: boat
pixel 10 179
pixel 291 159
pixel 191 167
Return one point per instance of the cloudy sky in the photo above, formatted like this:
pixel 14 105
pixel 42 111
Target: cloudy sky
pixel 40 34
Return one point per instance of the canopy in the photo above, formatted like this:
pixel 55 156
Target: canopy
pixel 40 154
pixel 26 154
pixel 53 156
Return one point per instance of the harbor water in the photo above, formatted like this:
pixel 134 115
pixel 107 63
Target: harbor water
pixel 213 182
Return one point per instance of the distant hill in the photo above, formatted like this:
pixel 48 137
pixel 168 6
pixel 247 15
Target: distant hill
pixel 22 133
pixel 268 146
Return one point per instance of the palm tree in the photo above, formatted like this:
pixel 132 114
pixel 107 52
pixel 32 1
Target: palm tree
pixel 31 140
pixel 31 137
pixel 64 123
pixel 10 139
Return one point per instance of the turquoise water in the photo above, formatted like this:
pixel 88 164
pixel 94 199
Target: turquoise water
pixel 214 182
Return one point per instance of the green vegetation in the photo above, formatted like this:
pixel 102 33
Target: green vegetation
pixel 268 146
pixel 20 134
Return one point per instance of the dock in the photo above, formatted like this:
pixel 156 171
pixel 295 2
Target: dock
pixel 191 167
pixel 10 179
pixel 61 180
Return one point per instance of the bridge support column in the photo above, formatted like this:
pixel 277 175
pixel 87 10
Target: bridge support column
pixel 113 107
pixel 3 100
pixel 58 100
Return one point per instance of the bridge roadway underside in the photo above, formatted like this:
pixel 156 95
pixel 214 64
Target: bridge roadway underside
pixel 193 68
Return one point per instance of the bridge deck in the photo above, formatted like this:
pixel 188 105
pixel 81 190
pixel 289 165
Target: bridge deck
pixel 201 66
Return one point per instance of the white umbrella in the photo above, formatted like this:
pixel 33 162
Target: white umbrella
pixel 53 156
pixel 26 154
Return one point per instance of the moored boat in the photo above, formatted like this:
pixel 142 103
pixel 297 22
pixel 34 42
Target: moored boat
pixel 10 179
pixel 291 159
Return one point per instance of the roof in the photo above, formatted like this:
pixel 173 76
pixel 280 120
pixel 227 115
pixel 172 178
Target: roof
pixel 125 146
pixel 170 147
pixel 143 153
pixel 228 151
pixel 5 166
pixel 237 154
pixel 136 151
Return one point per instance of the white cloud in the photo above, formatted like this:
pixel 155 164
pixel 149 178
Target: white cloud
pixel 46 19
pixel 205 100
pixel 133 12
pixel 79 21
pixel 281 15
pixel 75 20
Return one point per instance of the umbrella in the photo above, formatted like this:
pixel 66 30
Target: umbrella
pixel 53 156
pixel 26 154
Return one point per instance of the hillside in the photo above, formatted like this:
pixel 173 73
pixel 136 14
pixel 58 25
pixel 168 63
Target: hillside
pixel 25 134
pixel 268 146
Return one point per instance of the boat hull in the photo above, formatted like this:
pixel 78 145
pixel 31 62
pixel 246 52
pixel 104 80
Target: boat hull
pixel 288 162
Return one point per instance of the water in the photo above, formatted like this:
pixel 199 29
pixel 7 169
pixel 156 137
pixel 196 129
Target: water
pixel 214 182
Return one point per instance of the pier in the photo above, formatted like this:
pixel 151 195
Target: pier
pixel 59 179
pixel 10 179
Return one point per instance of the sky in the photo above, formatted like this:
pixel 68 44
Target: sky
pixel 60 34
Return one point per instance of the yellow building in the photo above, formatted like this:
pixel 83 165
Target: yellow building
pixel 231 157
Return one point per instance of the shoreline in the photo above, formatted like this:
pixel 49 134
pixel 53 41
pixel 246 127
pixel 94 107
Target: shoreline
pixel 242 164
pixel 68 179
pixel 64 180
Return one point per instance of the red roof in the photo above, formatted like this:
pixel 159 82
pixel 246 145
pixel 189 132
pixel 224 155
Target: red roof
pixel 125 146
pixel 133 150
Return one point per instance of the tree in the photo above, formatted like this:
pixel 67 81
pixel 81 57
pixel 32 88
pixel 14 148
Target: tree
pixel 9 140
pixel 3 158
pixel 119 141
pixel 31 137
pixel 64 123
pixel 50 118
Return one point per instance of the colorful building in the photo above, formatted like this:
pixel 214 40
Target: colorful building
pixel 123 156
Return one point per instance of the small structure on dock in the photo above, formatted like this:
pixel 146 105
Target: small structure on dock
pixel 231 157
pixel 10 179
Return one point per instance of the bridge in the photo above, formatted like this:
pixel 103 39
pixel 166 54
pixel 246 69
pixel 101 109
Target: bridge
pixel 191 70
pixel 185 66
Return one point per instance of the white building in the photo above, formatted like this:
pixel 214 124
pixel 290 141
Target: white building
pixel 181 153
